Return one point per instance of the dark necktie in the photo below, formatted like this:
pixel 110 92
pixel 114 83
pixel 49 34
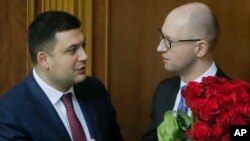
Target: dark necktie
pixel 182 105
pixel 74 123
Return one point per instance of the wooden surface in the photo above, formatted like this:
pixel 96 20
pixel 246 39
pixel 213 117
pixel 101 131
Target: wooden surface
pixel 13 50
pixel 100 41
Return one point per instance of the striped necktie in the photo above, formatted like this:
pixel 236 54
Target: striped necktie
pixel 182 105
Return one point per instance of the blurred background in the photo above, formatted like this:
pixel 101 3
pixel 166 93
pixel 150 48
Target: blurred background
pixel 121 43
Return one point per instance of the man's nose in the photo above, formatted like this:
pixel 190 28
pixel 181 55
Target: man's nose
pixel 161 47
pixel 82 55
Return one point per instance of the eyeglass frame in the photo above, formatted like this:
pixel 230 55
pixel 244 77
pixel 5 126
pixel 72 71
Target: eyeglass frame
pixel 164 38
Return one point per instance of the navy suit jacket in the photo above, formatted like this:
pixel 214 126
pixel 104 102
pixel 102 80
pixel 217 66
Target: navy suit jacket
pixel 164 100
pixel 26 114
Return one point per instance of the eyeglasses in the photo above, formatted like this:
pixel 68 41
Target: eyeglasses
pixel 167 41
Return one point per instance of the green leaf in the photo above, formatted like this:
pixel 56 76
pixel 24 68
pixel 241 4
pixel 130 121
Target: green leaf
pixel 174 126
pixel 184 121
pixel 168 128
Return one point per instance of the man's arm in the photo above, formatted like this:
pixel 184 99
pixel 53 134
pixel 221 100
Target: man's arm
pixel 151 133
pixel 9 129
pixel 114 126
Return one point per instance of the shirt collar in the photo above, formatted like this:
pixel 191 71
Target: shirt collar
pixel 53 94
pixel 210 72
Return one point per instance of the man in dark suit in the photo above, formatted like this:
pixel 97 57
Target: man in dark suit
pixel 57 101
pixel 188 37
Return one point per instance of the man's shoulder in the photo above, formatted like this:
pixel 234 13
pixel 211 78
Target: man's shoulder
pixel 20 86
pixel 15 95
pixel 90 86
pixel 90 81
pixel 220 73
pixel 171 80
pixel 168 85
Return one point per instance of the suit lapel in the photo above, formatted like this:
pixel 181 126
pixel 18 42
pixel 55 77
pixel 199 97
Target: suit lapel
pixel 89 111
pixel 219 73
pixel 46 111
pixel 173 89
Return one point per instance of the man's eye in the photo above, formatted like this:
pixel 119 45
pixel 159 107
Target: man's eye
pixel 73 50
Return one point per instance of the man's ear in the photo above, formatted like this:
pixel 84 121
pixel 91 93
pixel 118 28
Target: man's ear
pixel 42 59
pixel 202 48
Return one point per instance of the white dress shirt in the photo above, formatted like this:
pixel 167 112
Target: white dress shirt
pixel 210 72
pixel 55 98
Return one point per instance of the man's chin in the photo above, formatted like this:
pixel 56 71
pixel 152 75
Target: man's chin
pixel 80 78
pixel 169 68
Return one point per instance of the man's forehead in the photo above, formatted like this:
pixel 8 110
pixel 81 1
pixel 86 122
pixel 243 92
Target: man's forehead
pixel 172 26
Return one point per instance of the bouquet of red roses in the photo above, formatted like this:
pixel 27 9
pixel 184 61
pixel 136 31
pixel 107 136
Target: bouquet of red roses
pixel 217 103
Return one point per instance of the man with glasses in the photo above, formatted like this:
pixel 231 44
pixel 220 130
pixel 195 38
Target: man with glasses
pixel 187 40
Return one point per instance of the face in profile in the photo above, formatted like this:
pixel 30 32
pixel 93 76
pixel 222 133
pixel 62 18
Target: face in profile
pixel 67 63
pixel 181 55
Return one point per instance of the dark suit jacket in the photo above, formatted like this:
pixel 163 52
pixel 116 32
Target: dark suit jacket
pixel 26 114
pixel 164 100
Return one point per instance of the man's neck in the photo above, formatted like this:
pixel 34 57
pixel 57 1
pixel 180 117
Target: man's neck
pixel 43 76
pixel 196 71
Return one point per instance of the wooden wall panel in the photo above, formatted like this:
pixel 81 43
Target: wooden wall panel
pixel 233 52
pixel 13 50
pixel 101 40
pixel 135 66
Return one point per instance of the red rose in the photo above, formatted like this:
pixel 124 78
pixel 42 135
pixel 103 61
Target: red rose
pixel 217 131
pixel 243 92
pixel 209 91
pixel 226 100
pixel 238 120
pixel 200 132
pixel 192 90
pixel 209 110
pixel 248 110
pixel 224 118
pixel 217 103
pixel 239 108
pixel 241 83
pixel 205 109
pixel 226 88
pixel 226 137
pixel 208 80
pixel 196 105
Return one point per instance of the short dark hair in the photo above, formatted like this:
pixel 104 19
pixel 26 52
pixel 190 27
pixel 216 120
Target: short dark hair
pixel 41 32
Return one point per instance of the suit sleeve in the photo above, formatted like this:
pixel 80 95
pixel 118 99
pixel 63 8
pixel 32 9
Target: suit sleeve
pixel 164 100
pixel 9 129
pixel 106 113
pixel 114 126
pixel 115 129
pixel 151 132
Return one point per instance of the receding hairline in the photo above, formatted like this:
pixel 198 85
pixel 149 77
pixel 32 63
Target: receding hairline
pixel 199 20
pixel 194 6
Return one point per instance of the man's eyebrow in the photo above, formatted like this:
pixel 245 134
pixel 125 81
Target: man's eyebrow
pixel 165 35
